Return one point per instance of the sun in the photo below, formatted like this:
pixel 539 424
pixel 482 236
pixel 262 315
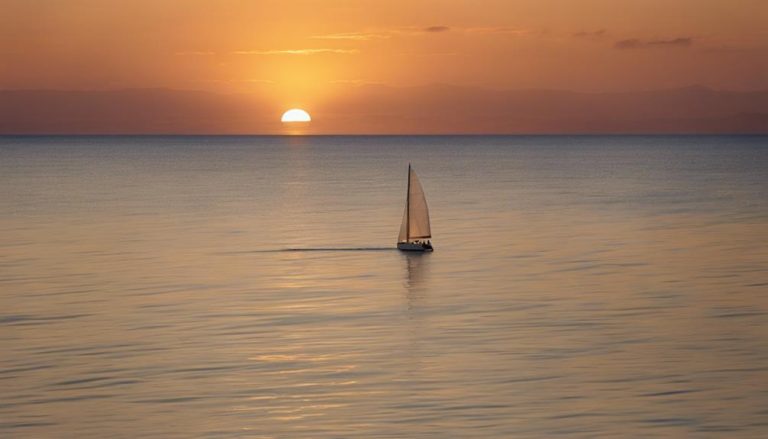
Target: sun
pixel 295 115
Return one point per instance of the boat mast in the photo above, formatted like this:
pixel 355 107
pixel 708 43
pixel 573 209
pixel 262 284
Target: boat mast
pixel 408 208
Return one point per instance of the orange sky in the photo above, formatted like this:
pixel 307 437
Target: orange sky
pixel 307 52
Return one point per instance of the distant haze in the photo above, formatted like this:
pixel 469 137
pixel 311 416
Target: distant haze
pixel 387 110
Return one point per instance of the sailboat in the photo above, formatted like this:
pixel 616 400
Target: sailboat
pixel 414 230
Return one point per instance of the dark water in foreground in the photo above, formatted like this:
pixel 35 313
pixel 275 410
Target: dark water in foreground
pixel 244 286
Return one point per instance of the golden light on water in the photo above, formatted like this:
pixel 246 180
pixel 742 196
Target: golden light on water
pixel 295 115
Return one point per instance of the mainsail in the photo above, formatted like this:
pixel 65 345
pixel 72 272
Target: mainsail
pixel 415 223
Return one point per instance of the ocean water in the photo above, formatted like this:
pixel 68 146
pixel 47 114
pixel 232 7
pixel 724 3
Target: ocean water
pixel 248 287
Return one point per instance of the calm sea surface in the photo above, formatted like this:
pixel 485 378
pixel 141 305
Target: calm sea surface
pixel 247 286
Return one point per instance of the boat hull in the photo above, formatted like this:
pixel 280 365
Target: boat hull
pixel 414 247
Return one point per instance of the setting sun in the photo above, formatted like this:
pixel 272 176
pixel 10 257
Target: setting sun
pixel 295 115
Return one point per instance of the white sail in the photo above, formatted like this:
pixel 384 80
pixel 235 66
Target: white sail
pixel 415 223
pixel 418 212
pixel 403 236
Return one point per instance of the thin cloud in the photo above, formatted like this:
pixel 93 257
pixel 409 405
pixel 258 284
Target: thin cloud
pixel 416 31
pixel 413 31
pixel 195 53
pixel 635 43
pixel 590 34
pixel 504 30
pixel 427 53
pixel 233 81
pixel 354 36
pixel 437 29
pixel 297 52
pixel 381 34
pixel 355 82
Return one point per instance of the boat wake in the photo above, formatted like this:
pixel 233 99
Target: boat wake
pixel 325 249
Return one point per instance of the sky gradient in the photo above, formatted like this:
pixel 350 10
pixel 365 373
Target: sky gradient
pixel 314 54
